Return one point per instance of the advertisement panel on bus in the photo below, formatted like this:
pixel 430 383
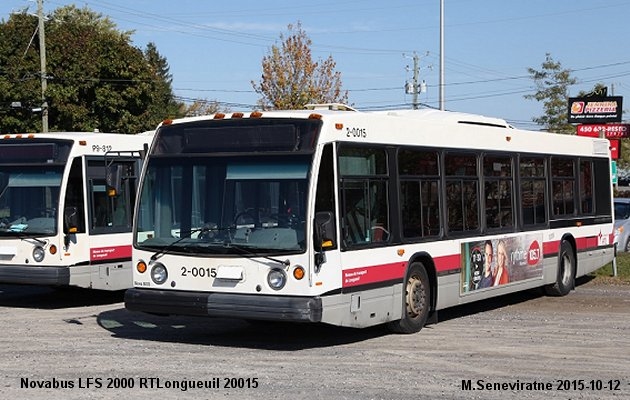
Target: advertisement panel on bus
pixel 498 261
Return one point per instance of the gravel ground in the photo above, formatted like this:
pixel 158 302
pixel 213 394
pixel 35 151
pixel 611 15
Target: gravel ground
pixel 74 344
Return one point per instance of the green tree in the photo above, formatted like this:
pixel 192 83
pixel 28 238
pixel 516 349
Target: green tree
pixel 552 89
pixel 291 79
pixel 96 78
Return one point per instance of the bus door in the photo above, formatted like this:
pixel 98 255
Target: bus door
pixel 110 208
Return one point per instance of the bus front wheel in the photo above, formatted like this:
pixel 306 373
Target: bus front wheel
pixel 416 301
pixel 565 277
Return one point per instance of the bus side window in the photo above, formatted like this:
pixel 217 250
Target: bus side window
pixel 364 194
pixel 325 196
pixel 110 212
pixel 74 193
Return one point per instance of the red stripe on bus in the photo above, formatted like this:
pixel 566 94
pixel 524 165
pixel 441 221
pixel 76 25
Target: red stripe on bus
pixel 582 243
pixel 373 274
pixel 387 272
pixel 448 263
pixel 110 253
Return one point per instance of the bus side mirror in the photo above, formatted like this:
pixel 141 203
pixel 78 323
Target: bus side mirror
pixel 113 178
pixel 70 220
pixel 324 236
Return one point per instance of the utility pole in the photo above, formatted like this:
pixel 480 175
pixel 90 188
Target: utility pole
pixel 42 59
pixel 415 87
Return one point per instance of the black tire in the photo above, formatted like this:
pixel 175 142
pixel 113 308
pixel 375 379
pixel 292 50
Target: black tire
pixel 416 301
pixel 565 279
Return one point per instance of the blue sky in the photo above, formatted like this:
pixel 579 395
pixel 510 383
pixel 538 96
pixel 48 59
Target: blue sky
pixel 214 49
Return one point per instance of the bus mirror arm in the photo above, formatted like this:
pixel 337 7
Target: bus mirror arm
pixel 113 178
pixel 70 223
pixel 324 236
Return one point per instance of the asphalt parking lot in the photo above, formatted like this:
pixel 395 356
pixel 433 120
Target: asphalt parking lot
pixel 77 344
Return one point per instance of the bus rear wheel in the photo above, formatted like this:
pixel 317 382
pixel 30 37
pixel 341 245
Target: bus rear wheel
pixel 416 301
pixel 565 278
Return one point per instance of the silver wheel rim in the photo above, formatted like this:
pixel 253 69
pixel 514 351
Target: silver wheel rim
pixel 416 300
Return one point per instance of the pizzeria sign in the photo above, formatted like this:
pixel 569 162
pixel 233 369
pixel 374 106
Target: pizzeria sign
pixel 595 110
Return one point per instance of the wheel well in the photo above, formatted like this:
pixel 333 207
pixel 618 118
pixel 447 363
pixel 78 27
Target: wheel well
pixel 429 266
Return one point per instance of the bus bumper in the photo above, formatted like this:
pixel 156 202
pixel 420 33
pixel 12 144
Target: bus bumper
pixel 30 275
pixel 226 305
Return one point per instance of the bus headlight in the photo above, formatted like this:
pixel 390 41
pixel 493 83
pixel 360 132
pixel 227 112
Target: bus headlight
pixel 276 279
pixel 38 254
pixel 159 275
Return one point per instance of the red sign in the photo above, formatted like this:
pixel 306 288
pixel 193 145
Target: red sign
pixel 615 148
pixel 611 131
pixel 110 253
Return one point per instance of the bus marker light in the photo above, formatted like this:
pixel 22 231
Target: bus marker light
pixel 508 138
pixel 141 267
pixel 237 115
pixel 82 143
pixel 298 272
pixel 338 126
pixel 219 115
pixel 255 114
pixel 400 252
pixel 52 249
pixel 319 283
pixel 167 122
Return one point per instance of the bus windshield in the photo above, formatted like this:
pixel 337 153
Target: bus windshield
pixel 224 205
pixel 29 199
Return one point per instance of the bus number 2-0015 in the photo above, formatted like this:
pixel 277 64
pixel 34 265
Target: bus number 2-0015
pixel 356 132
pixel 199 272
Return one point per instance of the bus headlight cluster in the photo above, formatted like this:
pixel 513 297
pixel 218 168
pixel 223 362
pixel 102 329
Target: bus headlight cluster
pixel 276 279
pixel 38 254
pixel 159 275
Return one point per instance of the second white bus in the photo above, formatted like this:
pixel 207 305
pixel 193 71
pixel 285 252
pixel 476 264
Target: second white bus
pixel 62 222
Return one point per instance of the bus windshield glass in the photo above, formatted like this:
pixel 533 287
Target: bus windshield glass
pixel 29 199
pixel 238 205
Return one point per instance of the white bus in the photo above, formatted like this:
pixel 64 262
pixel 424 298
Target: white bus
pixel 61 223
pixel 362 218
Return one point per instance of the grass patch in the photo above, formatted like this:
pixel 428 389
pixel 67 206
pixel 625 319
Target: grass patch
pixel 605 273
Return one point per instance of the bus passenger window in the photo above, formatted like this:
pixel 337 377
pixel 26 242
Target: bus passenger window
pixel 462 192
pixel 365 203
pixel 497 171
pixel 533 191
pixel 419 192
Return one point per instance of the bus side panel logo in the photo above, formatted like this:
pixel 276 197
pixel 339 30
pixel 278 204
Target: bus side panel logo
pixel 534 254
pixel 110 253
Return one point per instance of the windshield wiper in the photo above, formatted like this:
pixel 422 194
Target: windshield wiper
pixel 23 236
pixel 170 247
pixel 245 250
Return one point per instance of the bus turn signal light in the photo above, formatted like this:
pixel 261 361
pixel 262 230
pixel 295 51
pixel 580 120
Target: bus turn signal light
pixel 141 267
pixel 298 273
